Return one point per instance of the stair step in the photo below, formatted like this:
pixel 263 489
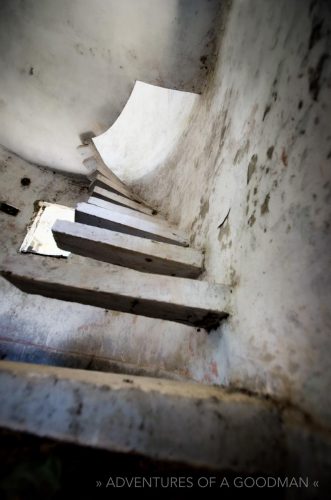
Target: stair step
pixel 93 161
pixel 101 166
pixel 103 194
pixel 128 224
pixel 192 302
pixel 127 251
pixel 113 207
pixel 182 422
pixel 113 186
pixel 94 167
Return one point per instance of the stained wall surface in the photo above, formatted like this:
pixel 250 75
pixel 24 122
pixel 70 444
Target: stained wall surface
pixel 251 180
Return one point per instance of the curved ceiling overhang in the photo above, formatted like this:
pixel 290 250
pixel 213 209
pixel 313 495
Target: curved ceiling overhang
pixel 147 130
pixel 68 67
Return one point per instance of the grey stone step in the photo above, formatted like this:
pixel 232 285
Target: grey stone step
pixel 95 167
pixel 127 251
pixel 103 194
pixel 160 419
pixel 192 302
pixel 128 224
pixel 113 207
pixel 113 186
pixel 94 162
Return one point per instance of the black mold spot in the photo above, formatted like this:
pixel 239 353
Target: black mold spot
pixel 284 158
pixel 128 381
pixel 79 408
pixel 265 205
pixel 329 156
pixel 31 71
pixel 315 75
pixel 266 111
pixel 300 104
pixel 270 152
pixel 86 137
pixel 251 220
pixel 8 209
pixel 315 34
pixel 251 167
pixel 25 181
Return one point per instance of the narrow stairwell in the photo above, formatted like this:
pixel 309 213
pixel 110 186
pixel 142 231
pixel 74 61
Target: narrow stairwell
pixel 125 237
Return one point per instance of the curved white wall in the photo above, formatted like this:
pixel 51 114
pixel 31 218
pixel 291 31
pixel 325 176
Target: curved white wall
pixel 68 66
pixel 147 131
pixel 259 144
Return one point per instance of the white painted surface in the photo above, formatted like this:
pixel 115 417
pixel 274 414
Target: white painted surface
pixel 146 132
pixel 259 144
pixel 120 209
pixel 68 67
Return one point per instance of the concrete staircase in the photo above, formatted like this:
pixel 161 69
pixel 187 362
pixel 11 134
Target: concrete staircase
pixel 157 277
pixel 179 422
pixel 126 232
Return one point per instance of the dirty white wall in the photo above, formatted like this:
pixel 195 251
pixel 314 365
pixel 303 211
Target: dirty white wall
pixel 258 150
pixel 68 66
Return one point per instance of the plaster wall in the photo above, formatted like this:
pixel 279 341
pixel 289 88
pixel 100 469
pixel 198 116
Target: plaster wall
pixel 251 180
pixel 146 131
pixel 69 66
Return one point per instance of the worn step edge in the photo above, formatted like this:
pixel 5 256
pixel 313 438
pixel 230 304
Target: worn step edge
pixel 132 414
pixel 103 194
pixel 114 187
pixel 108 205
pixel 187 301
pixel 100 217
pixel 128 251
